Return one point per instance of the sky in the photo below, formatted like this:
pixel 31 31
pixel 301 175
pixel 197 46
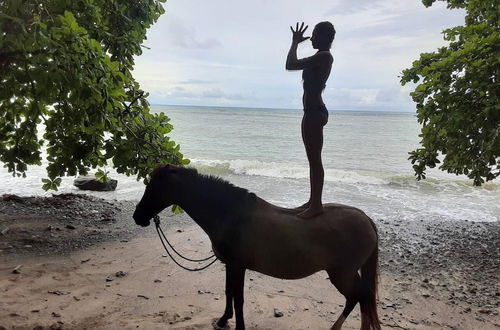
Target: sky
pixel 232 52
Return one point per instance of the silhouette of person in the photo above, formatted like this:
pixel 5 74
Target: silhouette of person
pixel 315 72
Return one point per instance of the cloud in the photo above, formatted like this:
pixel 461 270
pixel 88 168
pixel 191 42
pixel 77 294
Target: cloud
pixel 343 8
pixel 217 93
pixel 223 52
pixel 186 36
pixel 387 98
pixel 198 95
pixel 195 82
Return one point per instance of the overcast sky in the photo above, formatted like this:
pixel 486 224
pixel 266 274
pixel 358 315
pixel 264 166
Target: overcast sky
pixel 232 52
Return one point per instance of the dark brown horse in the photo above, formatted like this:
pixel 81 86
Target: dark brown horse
pixel 249 233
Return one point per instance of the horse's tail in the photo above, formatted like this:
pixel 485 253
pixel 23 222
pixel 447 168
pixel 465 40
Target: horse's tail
pixel 369 278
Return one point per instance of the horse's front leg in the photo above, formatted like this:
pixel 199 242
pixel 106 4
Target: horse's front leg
pixel 238 283
pixel 228 312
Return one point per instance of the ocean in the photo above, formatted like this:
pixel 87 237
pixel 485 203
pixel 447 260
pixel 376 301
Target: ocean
pixel 365 156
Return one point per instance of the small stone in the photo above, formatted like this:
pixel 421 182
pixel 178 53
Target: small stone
pixel 17 269
pixel 278 313
pixel 120 273
pixel 70 227
pixel 426 295
pixel 56 326
pixel 142 296
pixel 59 292
pixel 54 314
pixel 157 281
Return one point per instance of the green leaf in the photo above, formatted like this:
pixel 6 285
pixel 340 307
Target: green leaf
pixel 73 73
pixel 176 209
pixel 457 99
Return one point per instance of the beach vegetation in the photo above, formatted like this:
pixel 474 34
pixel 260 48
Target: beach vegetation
pixel 68 99
pixel 457 96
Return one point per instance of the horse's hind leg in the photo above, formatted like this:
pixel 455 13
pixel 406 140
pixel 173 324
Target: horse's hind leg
pixel 348 285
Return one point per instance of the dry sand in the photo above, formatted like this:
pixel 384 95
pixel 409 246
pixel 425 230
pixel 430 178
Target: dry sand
pixel 123 281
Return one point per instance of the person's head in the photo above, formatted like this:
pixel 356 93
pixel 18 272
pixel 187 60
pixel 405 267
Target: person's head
pixel 323 35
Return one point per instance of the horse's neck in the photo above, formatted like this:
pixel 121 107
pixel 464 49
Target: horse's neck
pixel 204 213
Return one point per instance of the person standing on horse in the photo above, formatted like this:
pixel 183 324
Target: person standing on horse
pixel 315 72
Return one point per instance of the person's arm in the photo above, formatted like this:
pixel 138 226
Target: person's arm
pixel 291 58
pixel 297 38
pixel 292 63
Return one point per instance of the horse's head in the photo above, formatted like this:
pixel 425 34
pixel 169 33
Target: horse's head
pixel 158 195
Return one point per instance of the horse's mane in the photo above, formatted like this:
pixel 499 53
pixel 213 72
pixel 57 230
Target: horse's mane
pixel 221 192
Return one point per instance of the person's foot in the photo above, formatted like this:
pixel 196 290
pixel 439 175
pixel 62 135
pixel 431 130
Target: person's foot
pixel 310 212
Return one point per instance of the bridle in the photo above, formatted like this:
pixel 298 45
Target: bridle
pixel 162 236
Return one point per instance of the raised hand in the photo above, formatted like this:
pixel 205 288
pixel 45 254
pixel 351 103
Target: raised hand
pixel 298 33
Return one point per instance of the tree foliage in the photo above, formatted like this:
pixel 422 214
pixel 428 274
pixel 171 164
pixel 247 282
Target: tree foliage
pixel 65 68
pixel 457 96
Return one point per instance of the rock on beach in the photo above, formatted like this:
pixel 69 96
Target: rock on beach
pixel 91 183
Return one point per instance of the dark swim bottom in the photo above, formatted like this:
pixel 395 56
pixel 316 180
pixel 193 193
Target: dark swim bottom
pixel 318 114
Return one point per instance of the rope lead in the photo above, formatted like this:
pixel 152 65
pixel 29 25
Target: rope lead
pixel 162 236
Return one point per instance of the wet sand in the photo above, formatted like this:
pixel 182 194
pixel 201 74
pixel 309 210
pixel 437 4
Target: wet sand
pixel 433 275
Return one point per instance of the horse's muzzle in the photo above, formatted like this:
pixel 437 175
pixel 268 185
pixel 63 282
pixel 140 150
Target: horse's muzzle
pixel 141 219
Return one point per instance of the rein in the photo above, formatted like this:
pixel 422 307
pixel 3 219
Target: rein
pixel 162 236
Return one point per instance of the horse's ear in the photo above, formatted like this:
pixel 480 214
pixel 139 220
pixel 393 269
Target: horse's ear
pixel 168 170
pixel 161 170
pixel 172 168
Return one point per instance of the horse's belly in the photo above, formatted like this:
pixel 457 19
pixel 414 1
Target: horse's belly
pixel 288 264
pixel 284 272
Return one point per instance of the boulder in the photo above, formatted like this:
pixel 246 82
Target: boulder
pixel 91 183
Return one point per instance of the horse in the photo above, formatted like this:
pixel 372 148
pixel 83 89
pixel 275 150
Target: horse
pixel 247 232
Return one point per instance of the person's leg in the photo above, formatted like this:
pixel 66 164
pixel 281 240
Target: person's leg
pixel 312 134
pixel 306 204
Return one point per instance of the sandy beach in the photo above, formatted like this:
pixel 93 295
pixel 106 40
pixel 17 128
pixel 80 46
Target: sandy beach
pixel 79 262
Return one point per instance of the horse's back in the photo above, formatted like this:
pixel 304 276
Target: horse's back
pixel 280 241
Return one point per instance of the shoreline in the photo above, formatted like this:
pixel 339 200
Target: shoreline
pixel 71 250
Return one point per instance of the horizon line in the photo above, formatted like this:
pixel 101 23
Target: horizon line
pixel 269 108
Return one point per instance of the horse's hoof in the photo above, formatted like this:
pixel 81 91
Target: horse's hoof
pixel 218 327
